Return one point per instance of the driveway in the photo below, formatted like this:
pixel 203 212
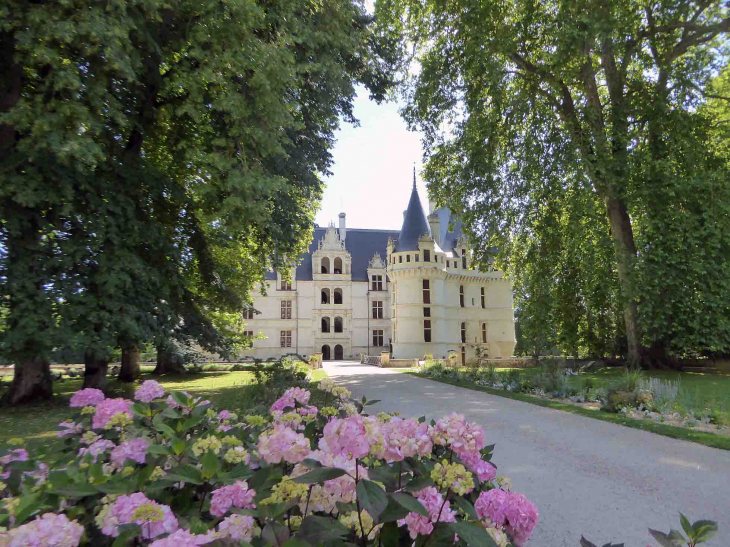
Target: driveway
pixel 605 481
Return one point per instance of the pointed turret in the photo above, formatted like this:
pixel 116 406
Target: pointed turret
pixel 414 222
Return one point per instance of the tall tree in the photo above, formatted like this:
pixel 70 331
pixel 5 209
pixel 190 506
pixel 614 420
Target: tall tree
pixel 507 89
pixel 154 152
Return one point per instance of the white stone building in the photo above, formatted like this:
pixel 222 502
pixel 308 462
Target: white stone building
pixel 411 292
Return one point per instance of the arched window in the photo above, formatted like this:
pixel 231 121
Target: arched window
pixel 483 301
pixel 325 296
pixel 325 324
pixel 463 333
pixel 338 296
pixel 325 265
pixel 326 353
pixel 338 324
pixel 339 353
pixel 461 295
pixel 337 267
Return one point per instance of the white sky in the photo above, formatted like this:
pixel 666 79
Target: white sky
pixel 372 174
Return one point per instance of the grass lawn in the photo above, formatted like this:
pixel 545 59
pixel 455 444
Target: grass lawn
pixel 37 424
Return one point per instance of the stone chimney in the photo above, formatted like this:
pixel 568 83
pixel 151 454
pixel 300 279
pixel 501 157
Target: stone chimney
pixel 435 224
pixel 343 229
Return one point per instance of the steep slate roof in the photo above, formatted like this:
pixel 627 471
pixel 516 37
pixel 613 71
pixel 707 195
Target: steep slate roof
pixel 414 224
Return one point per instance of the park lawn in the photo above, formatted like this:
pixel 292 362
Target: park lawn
pixel 37 424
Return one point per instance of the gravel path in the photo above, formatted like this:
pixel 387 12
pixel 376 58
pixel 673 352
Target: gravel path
pixel 586 476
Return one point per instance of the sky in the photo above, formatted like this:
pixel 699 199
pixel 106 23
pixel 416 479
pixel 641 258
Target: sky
pixel 372 173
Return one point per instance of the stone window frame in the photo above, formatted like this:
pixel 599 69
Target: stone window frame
pixel 285 339
pixel 286 307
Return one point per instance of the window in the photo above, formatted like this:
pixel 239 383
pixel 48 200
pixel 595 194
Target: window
pixel 408 258
pixel 463 333
pixel 377 282
pixel 426 330
pixel 461 295
pixel 416 257
pixel 448 264
pixel 427 255
pixel 483 306
pixel 286 309
pixel 400 259
pixel 337 267
pixel 378 338
pixel 325 265
pixel 338 324
pixel 248 314
pixel 463 258
pixel 285 339
pixel 337 297
pixel 248 333
pixel 427 312
pixel 325 296
pixel 377 309
pixel 285 285
pixel 484 333
pixel 325 324
pixel 426 292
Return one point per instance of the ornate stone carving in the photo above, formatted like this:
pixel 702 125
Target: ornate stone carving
pixel 376 262
pixel 331 240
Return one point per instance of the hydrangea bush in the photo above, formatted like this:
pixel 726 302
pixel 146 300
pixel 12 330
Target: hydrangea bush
pixel 171 470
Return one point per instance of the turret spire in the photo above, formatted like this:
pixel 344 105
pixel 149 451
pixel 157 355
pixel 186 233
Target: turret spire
pixel 414 175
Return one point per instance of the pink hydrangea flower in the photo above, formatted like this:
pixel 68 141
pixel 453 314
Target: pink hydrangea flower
pixel 431 499
pixel 406 438
pixel 324 497
pixel 291 396
pixel 224 415
pixel 108 408
pixel 515 512
pixel 87 397
pixel 153 518
pixel 283 443
pixel 237 527
pixel 47 530
pixel 69 428
pixel 308 410
pixel 473 461
pixel 96 448
pixel 15 455
pixel 149 391
pixel 453 431
pixel 345 436
pixel 235 495
pixel 134 449
pixel 183 538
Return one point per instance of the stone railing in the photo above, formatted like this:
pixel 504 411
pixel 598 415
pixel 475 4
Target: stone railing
pixel 370 359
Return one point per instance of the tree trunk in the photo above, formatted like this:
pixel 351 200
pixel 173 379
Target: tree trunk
pixel 168 362
pixel 32 381
pixel 130 369
pixel 95 371
pixel 625 251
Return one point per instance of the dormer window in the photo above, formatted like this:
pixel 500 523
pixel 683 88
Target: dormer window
pixel 426 255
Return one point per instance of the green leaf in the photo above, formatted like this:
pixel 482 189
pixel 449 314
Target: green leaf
pixel 197 526
pixel 374 401
pixel 371 498
pixel 181 399
pixel 192 422
pixel 27 506
pixel 77 490
pixel 686 526
pixel 316 529
pixel 166 429
pixel 237 473
pixel 294 542
pixel 704 530
pixel 409 502
pixel 275 533
pixel 186 473
pixel 160 450
pixel 319 475
pixel 126 532
pixel 466 506
pixel 472 534
pixel 667 540
pixel 418 483
pixel 143 411
pixel 178 445
pixel 390 535
pixel 210 463
pixel 311 464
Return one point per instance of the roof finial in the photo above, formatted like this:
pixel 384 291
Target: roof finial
pixel 414 175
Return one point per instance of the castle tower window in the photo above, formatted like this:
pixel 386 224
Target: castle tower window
pixel 484 333
pixel 416 257
pixel 400 259
pixel 286 309
pixel 337 268
pixel 483 306
pixel 426 291
pixel 408 258
pixel 325 296
pixel 325 324
pixel 377 282
pixel 461 295
pixel 426 330
pixel 463 258
pixel 338 324
pixel 448 264
pixel 248 313
pixel 338 296
pixel 463 333
pixel 426 255
pixel 427 312
pixel 377 309
pixel 325 265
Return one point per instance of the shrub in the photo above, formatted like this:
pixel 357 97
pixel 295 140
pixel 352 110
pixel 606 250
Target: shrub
pixel 663 393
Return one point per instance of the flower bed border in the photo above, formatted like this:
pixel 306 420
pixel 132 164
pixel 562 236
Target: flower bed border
pixel 699 437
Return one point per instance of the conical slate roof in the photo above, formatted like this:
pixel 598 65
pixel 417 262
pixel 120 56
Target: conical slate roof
pixel 414 223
